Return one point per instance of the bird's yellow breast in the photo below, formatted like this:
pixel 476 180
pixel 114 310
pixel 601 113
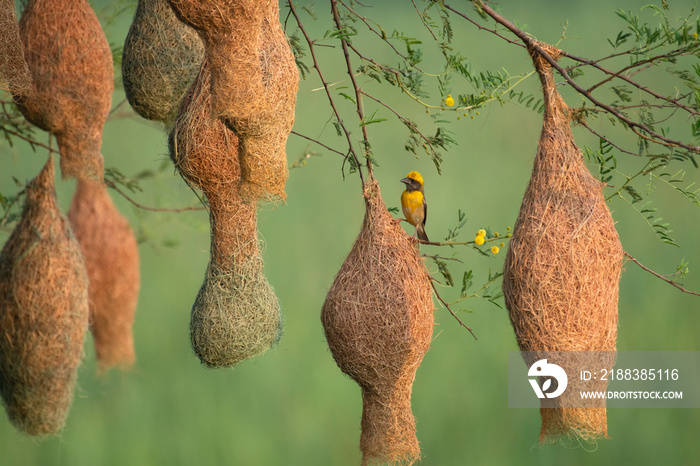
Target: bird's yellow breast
pixel 412 204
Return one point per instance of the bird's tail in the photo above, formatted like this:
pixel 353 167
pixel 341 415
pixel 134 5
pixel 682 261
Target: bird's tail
pixel 421 234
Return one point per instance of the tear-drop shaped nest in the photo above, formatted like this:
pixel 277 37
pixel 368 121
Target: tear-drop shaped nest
pixel 563 265
pixel 162 57
pixel 378 320
pixel 111 258
pixel 73 79
pixel 43 312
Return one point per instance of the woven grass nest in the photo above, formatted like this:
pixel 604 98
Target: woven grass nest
pixel 43 312
pixel 563 265
pixel 378 320
pixel 161 59
pixel 14 73
pixel 236 314
pixel 254 81
pixel 111 258
pixel 73 79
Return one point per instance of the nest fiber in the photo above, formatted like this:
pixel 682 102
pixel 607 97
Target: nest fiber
pixel 378 320
pixel 14 73
pixel 43 312
pixel 563 265
pixel 72 74
pixel 111 258
pixel 236 314
pixel 254 84
pixel 161 59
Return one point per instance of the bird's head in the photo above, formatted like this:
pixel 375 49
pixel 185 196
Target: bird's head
pixel 413 181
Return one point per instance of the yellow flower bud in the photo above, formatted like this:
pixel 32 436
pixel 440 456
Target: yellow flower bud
pixel 494 249
pixel 479 240
pixel 449 100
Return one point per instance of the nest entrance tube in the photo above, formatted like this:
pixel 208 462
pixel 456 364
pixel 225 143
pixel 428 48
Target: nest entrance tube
pixel 378 321
pixel 562 269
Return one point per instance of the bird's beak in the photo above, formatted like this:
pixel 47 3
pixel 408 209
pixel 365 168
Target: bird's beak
pixel 406 181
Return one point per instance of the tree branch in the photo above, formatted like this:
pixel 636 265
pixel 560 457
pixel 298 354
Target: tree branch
pixel 636 127
pixel 658 275
pixel 358 93
pixel 447 306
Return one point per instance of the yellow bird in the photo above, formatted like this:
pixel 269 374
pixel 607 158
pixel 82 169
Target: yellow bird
pixel 415 209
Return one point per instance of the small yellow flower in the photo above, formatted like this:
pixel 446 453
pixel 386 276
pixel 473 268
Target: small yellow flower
pixel 502 244
pixel 496 235
pixel 449 100
pixel 479 240
pixel 695 35
pixel 481 233
pixel 494 249
pixel 508 228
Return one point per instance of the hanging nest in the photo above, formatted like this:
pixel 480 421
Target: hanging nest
pixel 563 265
pixel 43 312
pixel 14 73
pixel 73 79
pixel 236 314
pixel 254 84
pixel 111 258
pixel 161 59
pixel 378 320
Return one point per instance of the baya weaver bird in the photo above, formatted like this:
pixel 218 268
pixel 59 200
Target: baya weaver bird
pixel 415 209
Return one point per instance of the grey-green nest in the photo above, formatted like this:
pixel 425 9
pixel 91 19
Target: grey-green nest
pixel 236 315
pixel 161 59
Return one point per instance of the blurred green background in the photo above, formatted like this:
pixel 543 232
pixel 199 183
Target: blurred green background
pixel 293 406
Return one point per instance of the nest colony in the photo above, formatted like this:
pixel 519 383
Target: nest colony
pixel 378 320
pixel 43 312
pixel 73 79
pixel 254 82
pixel 14 73
pixel 71 65
pixel 111 258
pixel 161 59
pixel 236 314
pixel 53 284
pixel 563 265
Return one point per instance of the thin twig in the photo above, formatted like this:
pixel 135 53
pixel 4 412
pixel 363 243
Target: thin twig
pixel 662 277
pixel 113 185
pixel 447 306
pixel 316 141
pixel 310 43
pixel 31 141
